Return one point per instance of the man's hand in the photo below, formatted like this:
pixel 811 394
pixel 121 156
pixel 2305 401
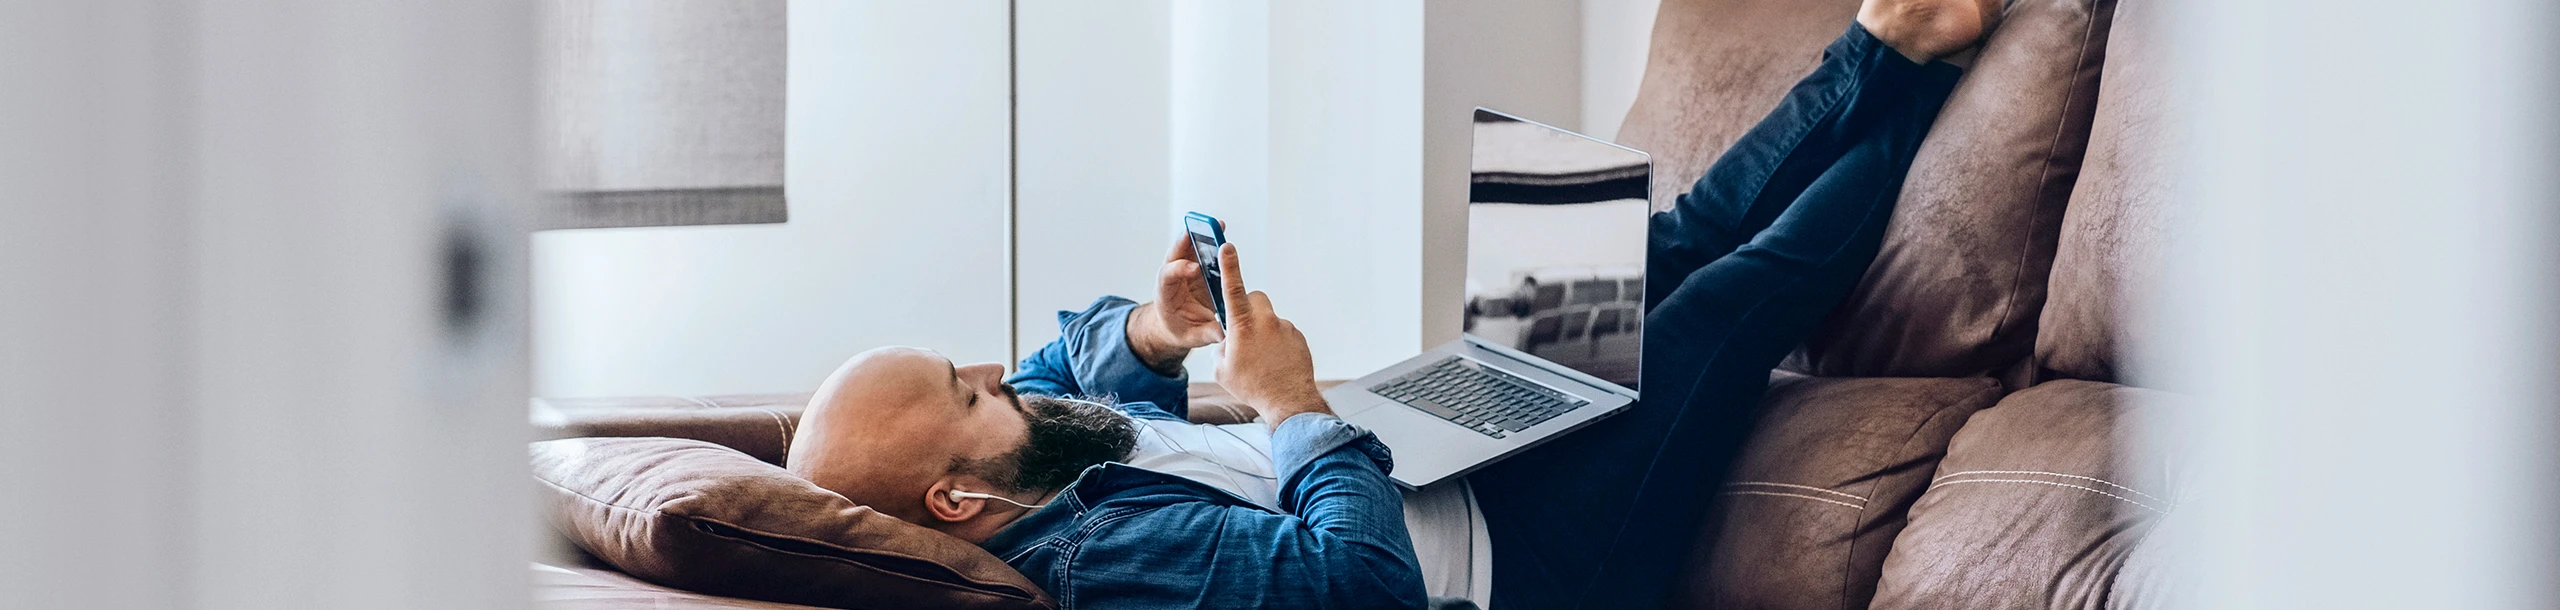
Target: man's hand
pixel 1163 332
pixel 1267 366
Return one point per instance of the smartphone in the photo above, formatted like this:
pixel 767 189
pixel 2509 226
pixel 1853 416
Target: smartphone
pixel 1207 234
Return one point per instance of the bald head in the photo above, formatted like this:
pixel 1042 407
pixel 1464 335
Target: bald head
pixel 887 428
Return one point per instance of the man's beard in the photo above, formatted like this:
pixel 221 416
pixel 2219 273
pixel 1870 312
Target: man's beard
pixel 1066 437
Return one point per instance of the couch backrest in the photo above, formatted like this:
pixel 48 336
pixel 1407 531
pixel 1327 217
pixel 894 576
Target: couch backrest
pixel 759 425
pixel 1958 285
pixel 1957 288
pixel 2113 233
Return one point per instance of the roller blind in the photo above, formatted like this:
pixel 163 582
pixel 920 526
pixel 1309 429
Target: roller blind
pixel 667 112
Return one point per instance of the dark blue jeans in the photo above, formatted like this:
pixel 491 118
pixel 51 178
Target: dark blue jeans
pixel 1740 271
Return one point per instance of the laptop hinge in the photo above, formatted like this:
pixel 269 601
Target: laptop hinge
pixel 1558 369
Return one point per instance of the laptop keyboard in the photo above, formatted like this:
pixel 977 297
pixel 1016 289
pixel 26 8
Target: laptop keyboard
pixel 1481 398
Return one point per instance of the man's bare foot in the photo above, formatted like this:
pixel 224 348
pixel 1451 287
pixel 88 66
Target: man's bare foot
pixel 1924 30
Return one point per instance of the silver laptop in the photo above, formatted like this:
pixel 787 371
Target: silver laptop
pixel 1554 307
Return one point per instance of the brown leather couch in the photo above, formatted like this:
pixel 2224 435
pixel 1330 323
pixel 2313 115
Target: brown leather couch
pixel 1961 435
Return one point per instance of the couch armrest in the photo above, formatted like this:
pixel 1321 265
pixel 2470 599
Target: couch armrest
pixel 759 425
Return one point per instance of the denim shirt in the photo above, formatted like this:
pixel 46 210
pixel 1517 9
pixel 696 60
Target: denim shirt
pixel 1127 537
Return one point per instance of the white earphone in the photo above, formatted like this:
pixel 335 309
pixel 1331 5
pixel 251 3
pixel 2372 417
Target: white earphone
pixel 957 495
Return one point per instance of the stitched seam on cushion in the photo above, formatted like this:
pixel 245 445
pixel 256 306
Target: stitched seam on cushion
pixel 598 502
pixel 699 402
pixel 778 424
pixel 2061 122
pixel 646 511
pixel 1789 495
pixel 1873 485
pixel 1795 486
pixel 2085 488
pixel 2057 474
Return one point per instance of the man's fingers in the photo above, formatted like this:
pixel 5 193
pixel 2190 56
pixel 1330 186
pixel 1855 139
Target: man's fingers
pixel 1232 275
pixel 1181 248
pixel 1261 302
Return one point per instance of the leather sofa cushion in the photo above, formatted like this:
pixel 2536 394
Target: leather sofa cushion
pixel 698 516
pixel 2112 235
pixel 760 425
pixel 1820 490
pixel 2042 502
pixel 1957 287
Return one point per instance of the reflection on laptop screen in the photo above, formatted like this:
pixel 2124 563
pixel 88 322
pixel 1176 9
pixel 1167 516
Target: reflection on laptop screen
pixel 1556 245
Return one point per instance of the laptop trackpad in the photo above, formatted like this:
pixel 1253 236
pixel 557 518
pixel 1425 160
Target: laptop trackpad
pixel 1426 447
pixel 1347 401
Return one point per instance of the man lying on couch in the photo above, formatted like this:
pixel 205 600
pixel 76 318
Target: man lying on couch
pixel 1123 503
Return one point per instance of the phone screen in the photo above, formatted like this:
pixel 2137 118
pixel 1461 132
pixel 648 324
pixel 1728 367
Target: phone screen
pixel 1204 248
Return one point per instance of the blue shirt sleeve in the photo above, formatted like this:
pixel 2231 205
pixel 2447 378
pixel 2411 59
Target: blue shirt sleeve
pixel 1333 477
pixel 1091 359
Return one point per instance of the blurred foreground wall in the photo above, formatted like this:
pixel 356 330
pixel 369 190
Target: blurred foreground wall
pixel 2367 302
pixel 262 304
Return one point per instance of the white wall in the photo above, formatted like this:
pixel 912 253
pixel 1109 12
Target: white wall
pixel 1316 129
pixel 1095 172
pixel 1293 121
pixel 1220 64
pixel 895 165
pixel 1346 81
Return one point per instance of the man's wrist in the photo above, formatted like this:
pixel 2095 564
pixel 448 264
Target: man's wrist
pixel 1280 410
pixel 1152 344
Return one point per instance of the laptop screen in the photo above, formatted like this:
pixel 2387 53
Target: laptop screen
pixel 1556 245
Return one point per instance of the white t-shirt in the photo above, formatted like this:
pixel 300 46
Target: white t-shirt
pixel 1449 536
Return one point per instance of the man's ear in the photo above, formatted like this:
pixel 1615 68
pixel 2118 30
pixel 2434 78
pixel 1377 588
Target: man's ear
pixel 939 502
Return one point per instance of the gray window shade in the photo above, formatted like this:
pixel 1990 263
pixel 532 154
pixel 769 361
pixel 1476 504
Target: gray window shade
pixel 667 112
